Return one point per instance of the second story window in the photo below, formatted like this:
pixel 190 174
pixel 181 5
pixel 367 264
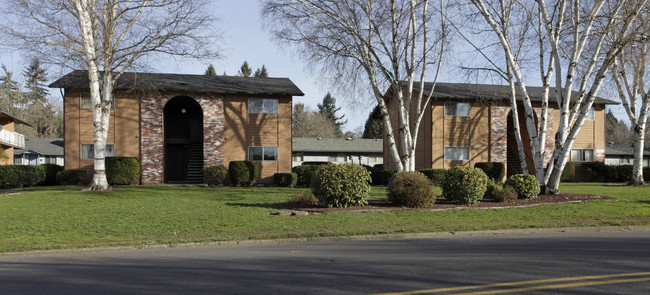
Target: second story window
pixel 262 106
pixel 457 109
pixel 87 105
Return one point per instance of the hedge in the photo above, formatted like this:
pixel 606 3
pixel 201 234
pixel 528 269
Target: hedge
pixel 215 175
pixel 122 170
pixel 494 170
pixel 50 174
pixel 437 176
pixel 285 179
pixel 16 176
pixel 73 177
pixel 243 173
pixel 304 173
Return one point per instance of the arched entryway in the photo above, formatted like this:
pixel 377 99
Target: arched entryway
pixel 183 133
pixel 514 162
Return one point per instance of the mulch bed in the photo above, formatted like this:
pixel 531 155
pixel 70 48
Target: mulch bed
pixel 443 204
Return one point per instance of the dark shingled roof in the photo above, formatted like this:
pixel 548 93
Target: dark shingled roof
pixel 188 83
pixel 16 120
pixel 43 146
pixel 466 91
pixel 337 145
pixel 619 149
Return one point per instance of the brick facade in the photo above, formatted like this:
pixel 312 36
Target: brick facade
pixel 499 133
pixel 152 134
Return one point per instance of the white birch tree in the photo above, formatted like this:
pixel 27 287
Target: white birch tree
pixel 394 45
pixel 580 53
pixel 108 37
pixel 629 76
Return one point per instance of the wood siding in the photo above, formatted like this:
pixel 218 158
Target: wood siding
pixel 123 131
pixel 243 130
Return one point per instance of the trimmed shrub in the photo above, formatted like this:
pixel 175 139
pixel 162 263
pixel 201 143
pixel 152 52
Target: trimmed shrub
pixel 285 179
pixel 73 177
pixel 243 173
pixel 122 170
pixel 504 194
pixel 215 175
pixel 437 176
pixel 303 197
pixel 569 172
pixel 465 185
pixel 489 189
pixel 494 170
pixel 411 189
pixel 646 173
pixel 624 172
pixel 50 174
pixel 381 177
pixel 14 176
pixel 526 185
pixel 341 185
pixel 304 173
pixel 316 163
pixel 601 172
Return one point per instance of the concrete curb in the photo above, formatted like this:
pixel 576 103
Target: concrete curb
pixel 338 238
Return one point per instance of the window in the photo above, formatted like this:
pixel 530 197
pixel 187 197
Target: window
pixel 262 153
pixel 298 157
pixel 88 151
pixel 582 155
pixel 262 106
pixel 457 109
pixel 86 105
pixel 457 153
pixel 591 115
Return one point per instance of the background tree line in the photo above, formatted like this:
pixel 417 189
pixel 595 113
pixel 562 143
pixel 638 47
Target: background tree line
pixel 30 102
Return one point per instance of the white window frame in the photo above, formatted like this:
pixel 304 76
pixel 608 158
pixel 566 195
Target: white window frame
pixel 582 155
pixel 266 109
pixel 449 156
pixel 455 109
pixel 88 105
pixel 264 153
pixel 90 154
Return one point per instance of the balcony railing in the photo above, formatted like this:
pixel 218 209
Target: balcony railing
pixel 12 139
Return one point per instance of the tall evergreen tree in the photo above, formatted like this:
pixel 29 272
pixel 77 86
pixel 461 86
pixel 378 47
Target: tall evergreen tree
pixel 374 127
pixel 210 71
pixel 11 98
pixel 46 118
pixel 245 70
pixel 328 109
pixel 262 73
pixel 310 124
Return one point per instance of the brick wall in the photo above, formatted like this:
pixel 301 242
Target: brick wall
pixel 152 136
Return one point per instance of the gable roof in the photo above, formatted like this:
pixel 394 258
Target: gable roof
pixel 468 91
pixel 332 145
pixel 187 83
pixel 42 146
pixel 619 149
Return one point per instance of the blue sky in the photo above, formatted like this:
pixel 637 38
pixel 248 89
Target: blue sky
pixel 245 39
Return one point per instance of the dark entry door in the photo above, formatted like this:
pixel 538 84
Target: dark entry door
pixel 183 129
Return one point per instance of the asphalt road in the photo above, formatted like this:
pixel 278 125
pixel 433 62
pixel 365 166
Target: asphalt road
pixel 558 263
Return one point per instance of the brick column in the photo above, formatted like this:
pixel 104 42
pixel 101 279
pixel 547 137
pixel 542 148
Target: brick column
pixel 499 133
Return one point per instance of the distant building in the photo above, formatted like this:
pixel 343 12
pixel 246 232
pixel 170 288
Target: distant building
pixel 621 154
pixel 39 151
pixel 9 140
pixel 337 150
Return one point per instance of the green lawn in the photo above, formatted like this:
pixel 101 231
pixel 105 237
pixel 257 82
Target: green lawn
pixel 61 217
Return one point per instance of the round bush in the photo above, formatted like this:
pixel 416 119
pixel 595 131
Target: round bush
pixel 504 194
pixel 341 185
pixel 215 175
pixel 122 170
pixel 411 189
pixel 465 185
pixel 526 185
